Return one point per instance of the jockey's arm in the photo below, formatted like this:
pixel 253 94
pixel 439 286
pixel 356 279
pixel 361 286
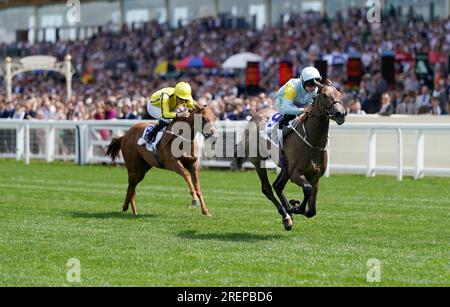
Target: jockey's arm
pixel 165 108
pixel 287 105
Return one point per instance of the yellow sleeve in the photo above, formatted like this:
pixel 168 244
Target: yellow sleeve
pixel 165 108
pixel 289 92
pixel 190 104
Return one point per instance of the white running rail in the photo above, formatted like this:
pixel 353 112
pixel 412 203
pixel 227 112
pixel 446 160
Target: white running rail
pixel 355 147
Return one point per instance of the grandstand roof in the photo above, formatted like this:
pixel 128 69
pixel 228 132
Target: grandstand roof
pixel 13 3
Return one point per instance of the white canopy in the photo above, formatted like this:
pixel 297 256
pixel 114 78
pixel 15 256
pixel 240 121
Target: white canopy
pixel 240 60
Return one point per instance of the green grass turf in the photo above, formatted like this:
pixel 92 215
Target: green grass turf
pixel 52 212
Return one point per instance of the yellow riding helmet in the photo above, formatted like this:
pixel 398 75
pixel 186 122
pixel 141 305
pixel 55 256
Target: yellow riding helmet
pixel 183 90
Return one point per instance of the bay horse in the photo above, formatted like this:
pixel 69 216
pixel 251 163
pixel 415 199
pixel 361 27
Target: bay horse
pixel 305 153
pixel 138 160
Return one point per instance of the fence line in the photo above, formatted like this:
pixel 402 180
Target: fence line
pixel 84 142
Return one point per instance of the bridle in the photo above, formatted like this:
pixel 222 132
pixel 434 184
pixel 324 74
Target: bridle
pixel 327 110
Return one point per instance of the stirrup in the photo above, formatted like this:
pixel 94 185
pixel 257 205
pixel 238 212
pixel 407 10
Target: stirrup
pixel 148 137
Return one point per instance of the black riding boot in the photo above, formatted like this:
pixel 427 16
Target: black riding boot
pixel 150 136
pixel 283 123
pixel 285 120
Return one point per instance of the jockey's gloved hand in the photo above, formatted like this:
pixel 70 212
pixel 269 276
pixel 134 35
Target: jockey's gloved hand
pixel 183 115
pixel 304 117
pixel 308 109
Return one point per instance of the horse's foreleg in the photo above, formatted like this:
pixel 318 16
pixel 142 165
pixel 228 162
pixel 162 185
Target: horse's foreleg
pixel 312 202
pixel 301 181
pixel 279 185
pixel 195 174
pixel 178 167
pixel 268 192
pixel 133 180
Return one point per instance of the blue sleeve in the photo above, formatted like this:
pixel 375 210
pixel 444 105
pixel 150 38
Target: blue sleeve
pixel 288 107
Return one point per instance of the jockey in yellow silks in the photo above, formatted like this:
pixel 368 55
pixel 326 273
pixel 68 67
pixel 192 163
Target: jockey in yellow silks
pixel 164 103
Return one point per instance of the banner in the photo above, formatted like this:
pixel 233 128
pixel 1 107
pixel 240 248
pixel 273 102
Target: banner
pixel 388 67
pixel 322 67
pixel 285 73
pixel 252 74
pixel 354 71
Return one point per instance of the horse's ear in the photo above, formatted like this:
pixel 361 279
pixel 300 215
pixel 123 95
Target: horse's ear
pixel 328 82
pixel 318 84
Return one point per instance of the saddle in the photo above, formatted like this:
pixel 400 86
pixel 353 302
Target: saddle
pixel 151 146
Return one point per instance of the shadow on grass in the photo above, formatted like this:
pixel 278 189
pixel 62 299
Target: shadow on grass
pixel 109 215
pixel 231 237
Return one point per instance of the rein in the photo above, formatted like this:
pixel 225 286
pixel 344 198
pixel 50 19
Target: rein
pixel 305 138
pixel 169 131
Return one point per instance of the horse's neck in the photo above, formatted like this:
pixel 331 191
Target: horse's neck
pixel 176 132
pixel 168 138
pixel 317 130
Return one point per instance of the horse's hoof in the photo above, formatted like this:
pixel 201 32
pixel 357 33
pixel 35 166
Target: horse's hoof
pixel 208 215
pixel 196 203
pixel 294 202
pixel 287 223
pixel 310 214
pixel 298 210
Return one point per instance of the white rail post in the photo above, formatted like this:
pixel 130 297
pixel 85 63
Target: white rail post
pixel 68 73
pixel 8 66
pixel 371 153
pixel 27 144
pixel 49 143
pixel 327 171
pixel 420 155
pixel 85 148
pixel 399 155
pixel 20 141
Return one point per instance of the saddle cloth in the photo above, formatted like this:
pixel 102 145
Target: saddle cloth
pixel 151 146
pixel 270 132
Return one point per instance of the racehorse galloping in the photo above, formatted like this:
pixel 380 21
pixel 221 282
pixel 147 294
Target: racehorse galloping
pixel 138 160
pixel 305 154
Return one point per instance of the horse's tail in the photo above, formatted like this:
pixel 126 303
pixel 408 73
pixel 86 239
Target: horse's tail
pixel 114 148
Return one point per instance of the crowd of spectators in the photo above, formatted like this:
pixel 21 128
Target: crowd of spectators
pixel 102 91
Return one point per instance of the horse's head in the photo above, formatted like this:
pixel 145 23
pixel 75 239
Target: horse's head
pixel 329 102
pixel 208 121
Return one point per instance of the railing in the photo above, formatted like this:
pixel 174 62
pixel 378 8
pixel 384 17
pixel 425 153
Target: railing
pixel 354 147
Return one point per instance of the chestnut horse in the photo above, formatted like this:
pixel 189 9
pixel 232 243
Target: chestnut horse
pixel 305 154
pixel 138 160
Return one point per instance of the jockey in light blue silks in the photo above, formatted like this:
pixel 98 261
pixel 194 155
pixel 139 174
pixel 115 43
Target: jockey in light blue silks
pixel 296 95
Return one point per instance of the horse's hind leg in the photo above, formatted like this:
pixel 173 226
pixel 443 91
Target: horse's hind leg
pixel 268 192
pixel 134 177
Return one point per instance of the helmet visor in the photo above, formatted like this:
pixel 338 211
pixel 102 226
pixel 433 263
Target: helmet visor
pixel 312 82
